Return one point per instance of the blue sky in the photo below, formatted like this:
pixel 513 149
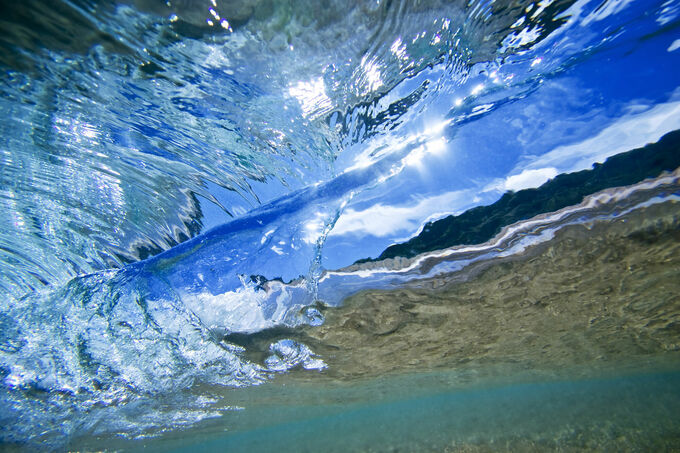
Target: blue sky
pixel 618 99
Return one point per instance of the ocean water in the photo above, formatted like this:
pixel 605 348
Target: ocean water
pixel 340 226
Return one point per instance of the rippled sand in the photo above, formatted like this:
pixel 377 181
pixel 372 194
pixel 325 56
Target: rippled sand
pixel 598 295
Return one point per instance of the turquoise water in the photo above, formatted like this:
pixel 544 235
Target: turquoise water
pixel 629 412
pixel 549 416
pixel 578 415
pixel 202 201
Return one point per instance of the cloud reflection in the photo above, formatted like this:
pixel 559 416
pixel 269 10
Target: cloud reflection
pixel 397 219
pixel 630 132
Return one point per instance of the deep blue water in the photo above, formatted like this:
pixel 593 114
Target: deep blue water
pixel 176 173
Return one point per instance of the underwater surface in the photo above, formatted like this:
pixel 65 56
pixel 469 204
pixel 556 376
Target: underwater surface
pixel 340 226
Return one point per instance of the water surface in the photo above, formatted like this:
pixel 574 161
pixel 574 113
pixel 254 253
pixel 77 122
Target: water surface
pixel 255 223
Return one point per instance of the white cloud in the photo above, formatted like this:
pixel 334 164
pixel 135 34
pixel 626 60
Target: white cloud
pixel 529 178
pixel 630 132
pixel 386 220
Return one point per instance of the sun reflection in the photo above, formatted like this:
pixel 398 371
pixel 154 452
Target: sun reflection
pixel 313 228
pixel 372 73
pixel 312 97
pixel 398 48
pixel 436 146
pixel 416 157
pixel 428 141
pixel 215 19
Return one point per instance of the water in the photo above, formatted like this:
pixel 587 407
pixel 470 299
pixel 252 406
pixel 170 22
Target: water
pixel 194 195
pixel 609 413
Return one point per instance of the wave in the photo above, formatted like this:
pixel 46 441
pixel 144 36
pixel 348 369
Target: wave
pixel 77 351
pixel 171 176
pixel 117 141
